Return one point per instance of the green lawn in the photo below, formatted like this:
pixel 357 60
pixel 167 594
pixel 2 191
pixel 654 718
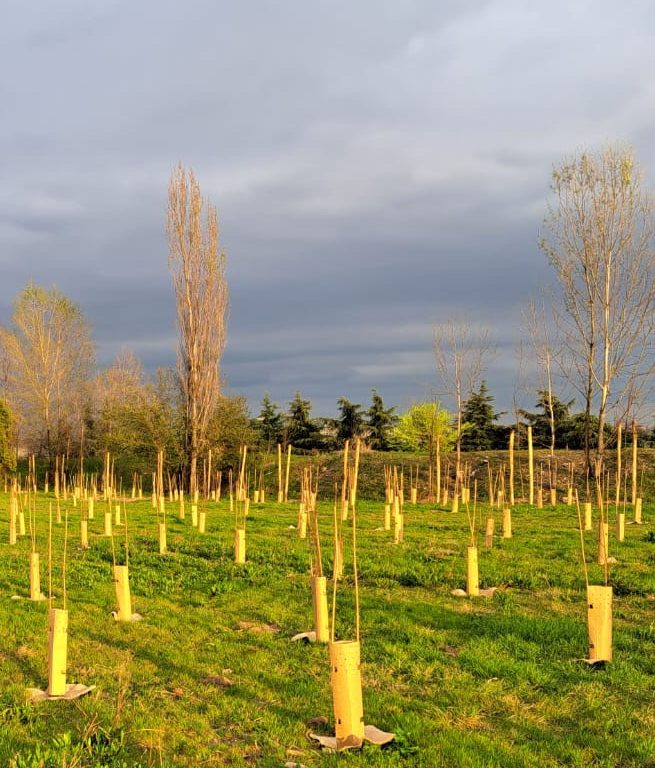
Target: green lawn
pixel 483 682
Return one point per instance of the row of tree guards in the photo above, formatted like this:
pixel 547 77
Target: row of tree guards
pixel 344 654
pixel 115 516
pixel 444 479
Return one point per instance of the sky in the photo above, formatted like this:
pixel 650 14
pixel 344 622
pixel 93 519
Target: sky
pixel 378 167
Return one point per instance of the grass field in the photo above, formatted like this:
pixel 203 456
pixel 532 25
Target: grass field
pixel 462 682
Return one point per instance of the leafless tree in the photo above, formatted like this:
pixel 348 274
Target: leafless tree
pixel 48 359
pixel 460 353
pixel 133 414
pixel 599 239
pixel 542 341
pixel 197 266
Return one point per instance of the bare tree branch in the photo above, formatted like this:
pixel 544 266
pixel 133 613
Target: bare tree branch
pixel 460 354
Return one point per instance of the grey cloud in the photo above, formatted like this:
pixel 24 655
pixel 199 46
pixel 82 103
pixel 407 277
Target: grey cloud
pixel 377 166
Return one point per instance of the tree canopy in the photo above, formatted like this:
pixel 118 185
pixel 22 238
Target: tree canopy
pixel 419 428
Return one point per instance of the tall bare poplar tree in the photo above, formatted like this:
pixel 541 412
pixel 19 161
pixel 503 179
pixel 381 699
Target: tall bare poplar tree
pixel 599 239
pixel 198 269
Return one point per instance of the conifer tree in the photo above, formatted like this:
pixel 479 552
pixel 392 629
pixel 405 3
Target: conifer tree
pixel 302 431
pixel 479 417
pixel 350 423
pixel 380 421
pixel 269 422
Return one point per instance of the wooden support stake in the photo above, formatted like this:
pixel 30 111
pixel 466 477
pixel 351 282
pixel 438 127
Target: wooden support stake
pixel 603 542
pixel 511 468
pixel 634 462
pixel 286 479
pixel 587 516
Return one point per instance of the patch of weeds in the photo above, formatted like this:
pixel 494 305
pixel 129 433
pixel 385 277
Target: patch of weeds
pixel 102 749
pixel 107 748
pixel 404 744
pixel 221 588
pixel 60 752
pixel 625 584
pixel 410 579
pixel 16 712
pixel 504 599
pixel 645 632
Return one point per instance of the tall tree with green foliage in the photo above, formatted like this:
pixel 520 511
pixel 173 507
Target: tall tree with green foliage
pixel 269 423
pixel 350 423
pixel 479 416
pixel 380 422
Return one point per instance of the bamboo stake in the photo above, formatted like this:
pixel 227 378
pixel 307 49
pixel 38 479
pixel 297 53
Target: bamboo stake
pixel 530 466
pixel 584 560
pixel 334 568
pixel 344 485
pixel 634 462
pixel 286 480
pixel 619 442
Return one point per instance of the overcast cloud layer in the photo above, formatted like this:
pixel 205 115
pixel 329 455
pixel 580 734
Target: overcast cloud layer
pixel 377 166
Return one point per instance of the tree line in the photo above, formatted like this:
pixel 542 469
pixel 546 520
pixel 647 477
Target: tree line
pixel 591 338
pixel 383 429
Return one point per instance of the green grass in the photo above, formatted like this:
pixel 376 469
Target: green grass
pixel 484 682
